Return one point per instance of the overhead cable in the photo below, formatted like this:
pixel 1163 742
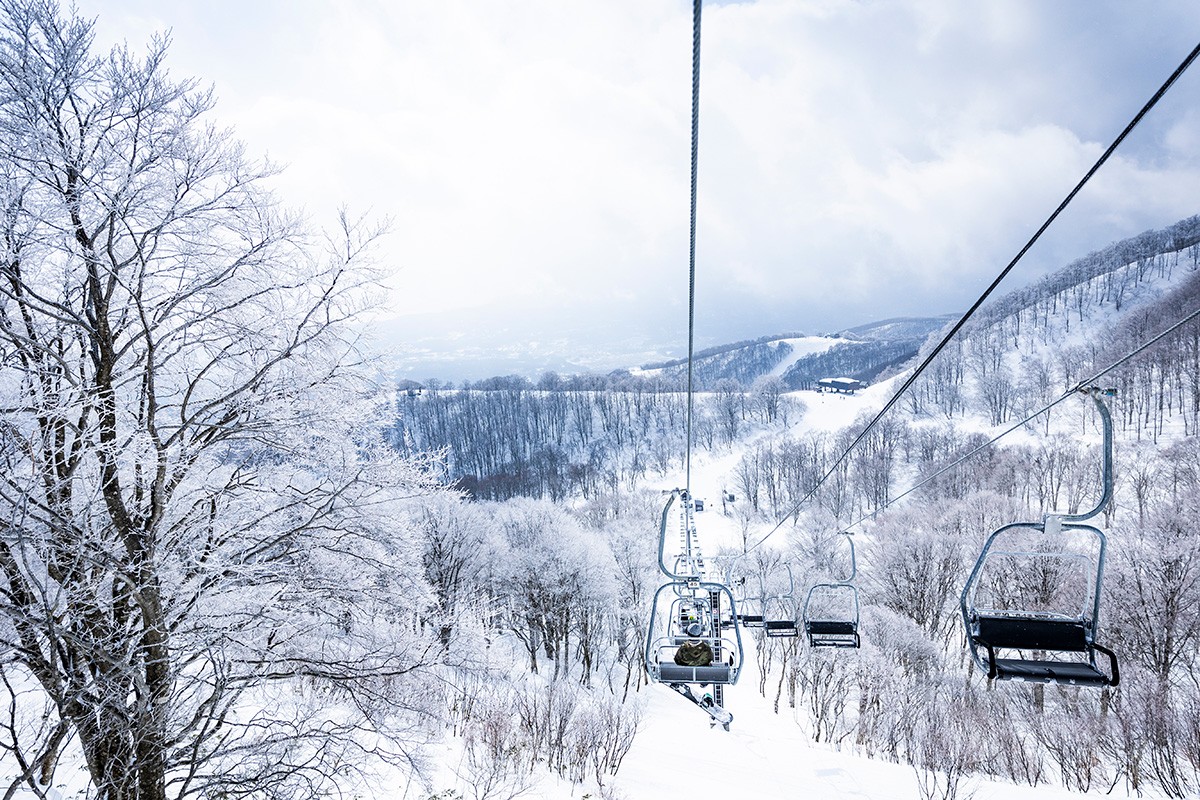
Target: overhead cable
pixel 692 233
pixel 1133 123
pixel 1081 386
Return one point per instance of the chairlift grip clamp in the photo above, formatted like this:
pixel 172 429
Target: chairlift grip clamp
pixel 1095 391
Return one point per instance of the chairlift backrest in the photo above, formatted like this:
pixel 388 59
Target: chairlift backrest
pixel 1034 634
pixel 992 592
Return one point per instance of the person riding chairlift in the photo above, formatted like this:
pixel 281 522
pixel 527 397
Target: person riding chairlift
pixel 694 653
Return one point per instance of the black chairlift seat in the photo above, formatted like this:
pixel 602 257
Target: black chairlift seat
pixel 831 633
pixel 780 628
pixel 751 620
pixel 1047 635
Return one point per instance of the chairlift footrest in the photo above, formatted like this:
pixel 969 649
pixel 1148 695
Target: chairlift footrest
pixel 1076 673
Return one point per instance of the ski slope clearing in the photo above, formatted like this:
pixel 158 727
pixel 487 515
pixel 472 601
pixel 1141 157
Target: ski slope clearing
pixel 804 346
pixel 763 755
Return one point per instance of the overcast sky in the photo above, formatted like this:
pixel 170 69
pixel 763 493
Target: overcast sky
pixel 858 160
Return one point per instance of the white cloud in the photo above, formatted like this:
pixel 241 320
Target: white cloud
pixel 857 158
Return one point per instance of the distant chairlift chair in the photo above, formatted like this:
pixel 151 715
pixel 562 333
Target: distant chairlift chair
pixel 784 624
pixel 754 614
pixel 749 615
pixel 832 620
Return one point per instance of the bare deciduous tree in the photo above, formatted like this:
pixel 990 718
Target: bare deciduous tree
pixel 197 552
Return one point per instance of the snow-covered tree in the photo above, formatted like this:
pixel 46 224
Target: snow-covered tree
pixel 556 582
pixel 197 524
pixel 1156 584
pixel 453 537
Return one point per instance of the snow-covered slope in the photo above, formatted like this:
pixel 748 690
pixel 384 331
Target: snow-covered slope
pixel 763 755
pixel 801 347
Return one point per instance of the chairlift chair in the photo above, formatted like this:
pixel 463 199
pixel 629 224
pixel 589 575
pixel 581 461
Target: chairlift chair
pixel 690 608
pixel 832 620
pixel 830 629
pixel 781 628
pixel 1031 606
pixel 747 615
pixel 781 624
pixel 683 620
pixel 784 623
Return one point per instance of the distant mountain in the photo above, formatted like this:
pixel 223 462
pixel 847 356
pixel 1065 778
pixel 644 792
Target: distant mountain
pixel 898 329
pixel 742 362
pixel 719 350
pixel 867 351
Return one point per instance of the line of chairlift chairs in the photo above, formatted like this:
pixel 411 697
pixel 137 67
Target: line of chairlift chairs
pixel 1030 606
pixel 829 615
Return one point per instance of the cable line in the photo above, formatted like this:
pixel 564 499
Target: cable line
pixel 688 644
pixel 687 483
pixel 1079 387
pixel 1187 62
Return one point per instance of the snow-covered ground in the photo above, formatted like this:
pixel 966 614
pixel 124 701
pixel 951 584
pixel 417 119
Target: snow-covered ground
pixel 763 755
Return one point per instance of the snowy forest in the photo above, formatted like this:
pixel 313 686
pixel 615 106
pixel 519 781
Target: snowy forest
pixel 911 694
pixel 235 563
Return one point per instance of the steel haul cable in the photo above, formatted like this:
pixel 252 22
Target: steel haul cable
pixel 692 233
pixel 1133 123
pixel 1017 426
